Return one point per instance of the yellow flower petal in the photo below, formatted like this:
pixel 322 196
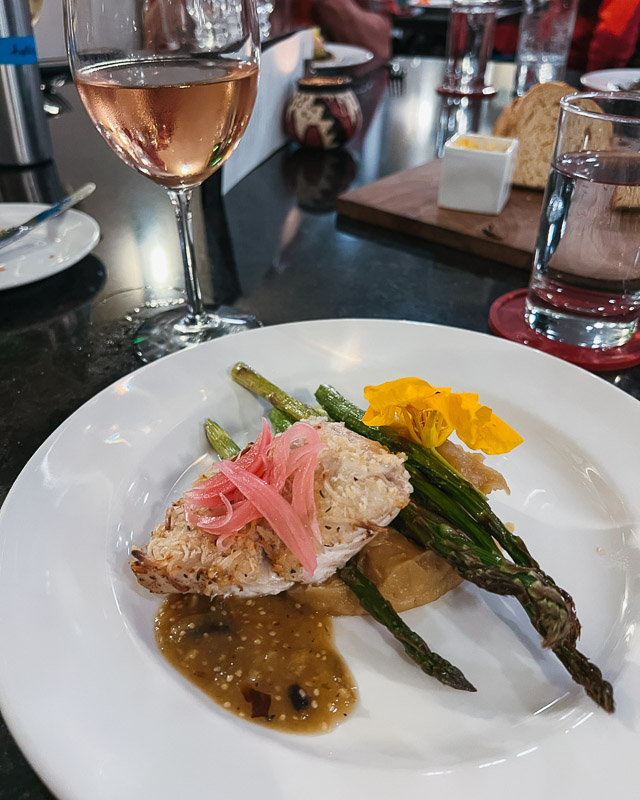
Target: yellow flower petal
pixel 428 415
pixel 401 393
pixel 480 429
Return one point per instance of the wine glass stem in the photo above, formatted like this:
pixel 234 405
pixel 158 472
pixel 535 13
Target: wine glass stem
pixel 181 202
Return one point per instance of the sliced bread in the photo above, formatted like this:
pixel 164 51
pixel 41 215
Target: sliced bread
pixel 532 119
pixel 626 198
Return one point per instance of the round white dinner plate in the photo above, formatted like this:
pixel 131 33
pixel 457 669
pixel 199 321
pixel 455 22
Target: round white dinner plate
pixel 344 56
pixel 51 247
pixel 610 80
pixel 101 715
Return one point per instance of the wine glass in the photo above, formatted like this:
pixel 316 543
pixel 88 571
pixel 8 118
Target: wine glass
pixel 170 85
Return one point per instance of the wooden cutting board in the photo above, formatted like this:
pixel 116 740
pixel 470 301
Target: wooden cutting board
pixel 407 202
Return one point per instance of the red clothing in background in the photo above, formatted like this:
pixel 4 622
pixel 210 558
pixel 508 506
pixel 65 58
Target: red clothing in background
pixel 608 40
pixel 602 39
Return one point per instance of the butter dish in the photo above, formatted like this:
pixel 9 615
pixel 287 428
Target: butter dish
pixel 477 172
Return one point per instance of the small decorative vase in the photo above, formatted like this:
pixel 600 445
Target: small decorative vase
pixel 323 113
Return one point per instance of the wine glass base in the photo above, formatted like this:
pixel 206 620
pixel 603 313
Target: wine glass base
pixel 170 331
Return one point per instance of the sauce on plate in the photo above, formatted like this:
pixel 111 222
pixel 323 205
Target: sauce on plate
pixel 268 659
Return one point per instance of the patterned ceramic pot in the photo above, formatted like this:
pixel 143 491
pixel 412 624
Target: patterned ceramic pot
pixel 323 113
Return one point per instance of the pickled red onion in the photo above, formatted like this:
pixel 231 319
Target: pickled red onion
pixel 278 513
pixel 250 487
pixel 300 460
pixel 242 513
pixel 216 520
pixel 303 499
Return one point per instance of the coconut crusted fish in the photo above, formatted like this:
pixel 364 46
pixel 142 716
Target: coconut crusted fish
pixel 359 487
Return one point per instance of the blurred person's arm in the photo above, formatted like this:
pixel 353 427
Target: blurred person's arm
pixel 345 21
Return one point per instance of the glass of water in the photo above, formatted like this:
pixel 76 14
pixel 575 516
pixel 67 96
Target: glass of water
pixel 585 283
pixel 544 36
pixel 472 25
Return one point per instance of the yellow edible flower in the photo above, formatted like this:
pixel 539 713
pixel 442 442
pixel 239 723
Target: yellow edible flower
pixel 428 415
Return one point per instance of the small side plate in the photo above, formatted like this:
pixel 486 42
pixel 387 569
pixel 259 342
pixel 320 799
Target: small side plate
pixel 344 56
pixel 610 80
pixel 50 248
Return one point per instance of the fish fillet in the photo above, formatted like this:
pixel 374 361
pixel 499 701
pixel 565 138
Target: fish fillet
pixel 359 488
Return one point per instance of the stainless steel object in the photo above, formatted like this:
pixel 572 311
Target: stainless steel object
pixel 397 74
pixel 24 131
pixel 11 235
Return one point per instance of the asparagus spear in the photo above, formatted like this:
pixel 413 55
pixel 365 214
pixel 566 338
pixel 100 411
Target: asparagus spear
pixel 280 420
pixel 447 492
pixel 475 565
pixel 251 380
pixel 365 590
pixel 543 602
pixel 220 440
pixel 414 646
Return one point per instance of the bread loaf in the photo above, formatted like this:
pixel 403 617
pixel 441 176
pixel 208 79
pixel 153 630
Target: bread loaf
pixel 532 119
pixel 626 198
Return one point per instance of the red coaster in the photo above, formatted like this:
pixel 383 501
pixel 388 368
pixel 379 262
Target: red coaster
pixel 506 319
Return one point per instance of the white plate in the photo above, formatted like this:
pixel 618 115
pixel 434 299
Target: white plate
pixel 610 80
pixel 50 248
pixel 100 715
pixel 344 57
pixel 430 4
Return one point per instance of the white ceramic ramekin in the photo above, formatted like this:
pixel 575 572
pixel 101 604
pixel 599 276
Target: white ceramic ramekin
pixel 477 172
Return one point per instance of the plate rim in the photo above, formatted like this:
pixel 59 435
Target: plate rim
pixel 38 760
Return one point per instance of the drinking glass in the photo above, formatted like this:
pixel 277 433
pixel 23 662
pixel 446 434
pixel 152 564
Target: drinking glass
pixel 544 36
pixel 457 115
pixel 585 283
pixel 170 85
pixel 470 33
